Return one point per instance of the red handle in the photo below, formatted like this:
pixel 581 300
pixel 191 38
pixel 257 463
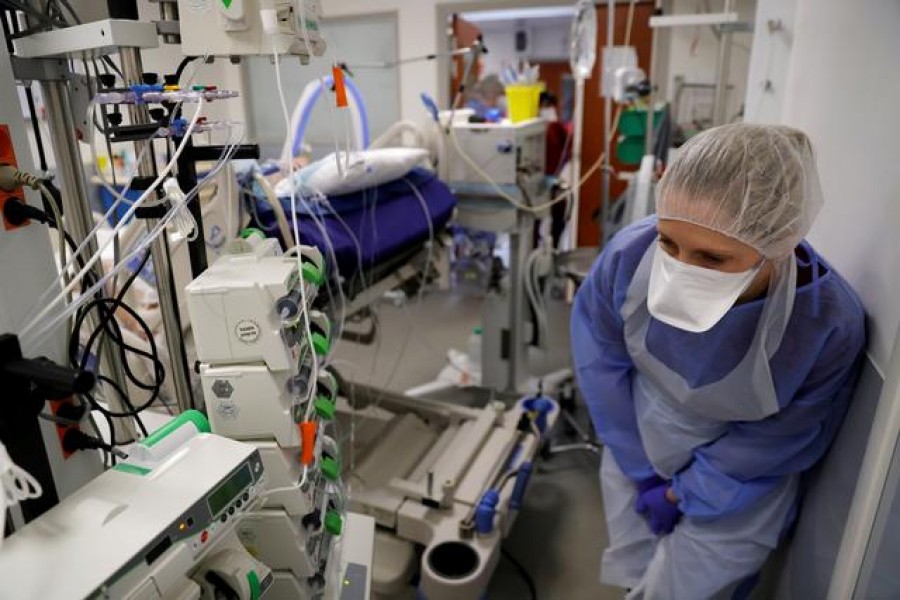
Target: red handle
pixel 308 438
pixel 340 90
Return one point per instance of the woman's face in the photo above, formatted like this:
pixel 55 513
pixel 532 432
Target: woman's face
pixel 702 247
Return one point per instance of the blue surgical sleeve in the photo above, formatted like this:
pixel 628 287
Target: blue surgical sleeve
pixel 604 367
pixel 753 458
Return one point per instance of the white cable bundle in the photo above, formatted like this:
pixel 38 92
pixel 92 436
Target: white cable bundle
pixel 18 485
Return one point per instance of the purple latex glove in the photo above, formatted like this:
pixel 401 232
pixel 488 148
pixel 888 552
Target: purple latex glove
pixel 643 485
pixel 661 514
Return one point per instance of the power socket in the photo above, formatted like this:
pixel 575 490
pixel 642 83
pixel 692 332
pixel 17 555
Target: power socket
pixel 8 158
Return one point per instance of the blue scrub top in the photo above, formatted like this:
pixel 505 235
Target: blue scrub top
pixel 814 371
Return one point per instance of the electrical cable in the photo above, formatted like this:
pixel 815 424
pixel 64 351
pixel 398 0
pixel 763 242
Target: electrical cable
pixel 280 218
pixel 296 231
pixel 408 333
pixel 137 203
pixel 107 320
pixel 179 71
pixel 35 338
pixel 526 577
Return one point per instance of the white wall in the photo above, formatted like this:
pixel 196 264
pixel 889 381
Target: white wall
pixel 417 26
pixel 548 39
pixel 418 35
pixel 834 74
pixel 693 52
pixel 842 87
pixel 768 76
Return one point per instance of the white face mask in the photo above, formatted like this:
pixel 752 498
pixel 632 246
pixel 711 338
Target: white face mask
pixel 693 298
pixel 549 114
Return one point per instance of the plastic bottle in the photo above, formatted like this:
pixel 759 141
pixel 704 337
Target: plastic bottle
pixel 475 355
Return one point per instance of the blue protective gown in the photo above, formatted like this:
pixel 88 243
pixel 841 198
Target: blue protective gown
pixel 814 371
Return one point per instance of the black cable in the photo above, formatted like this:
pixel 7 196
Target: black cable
pixel 38 138
pixel 107 324
pixel 524 574
pixel 108 61
pixel 183 65
pixel 110 326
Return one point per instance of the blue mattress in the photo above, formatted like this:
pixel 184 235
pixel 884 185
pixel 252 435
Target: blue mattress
pixel 368 228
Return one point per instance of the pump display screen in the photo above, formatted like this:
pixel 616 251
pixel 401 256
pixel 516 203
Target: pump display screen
pixel 227 492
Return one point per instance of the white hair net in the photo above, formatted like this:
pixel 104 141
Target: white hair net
pixel 757 184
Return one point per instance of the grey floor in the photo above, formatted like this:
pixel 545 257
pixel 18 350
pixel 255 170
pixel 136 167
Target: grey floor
pixel 560 533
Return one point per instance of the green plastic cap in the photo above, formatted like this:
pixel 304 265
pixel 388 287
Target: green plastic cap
pixel 312 274
pixel 320 344
pixel 478 330
pixel 191 416
pixel 330 468
pixel 251 231
pixel 334 524
pixel 324 408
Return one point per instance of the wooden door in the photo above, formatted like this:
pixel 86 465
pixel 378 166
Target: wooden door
pixel 465 34
pixel 592 146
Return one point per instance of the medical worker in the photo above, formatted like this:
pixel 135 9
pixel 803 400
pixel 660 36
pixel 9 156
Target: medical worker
pixel 717 353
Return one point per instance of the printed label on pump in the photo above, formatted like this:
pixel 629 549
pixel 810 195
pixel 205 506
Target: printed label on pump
pixel 227 410
pixel 247 331
pixel 198 6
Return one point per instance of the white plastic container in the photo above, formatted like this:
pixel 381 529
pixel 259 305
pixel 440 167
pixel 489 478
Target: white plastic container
pixel 474 352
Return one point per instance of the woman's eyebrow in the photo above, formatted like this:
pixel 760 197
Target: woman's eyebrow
pixel 715 253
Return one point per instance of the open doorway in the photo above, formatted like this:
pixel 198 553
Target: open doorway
pixel 537 35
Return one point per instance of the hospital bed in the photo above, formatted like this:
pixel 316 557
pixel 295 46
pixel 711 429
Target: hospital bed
pixel 443 478
pixel 372 236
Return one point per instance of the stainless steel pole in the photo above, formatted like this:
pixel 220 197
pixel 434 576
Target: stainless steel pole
pixel 607 123
pixel 132 68
pixel 78 219
pixel 168 11
pixel 519 244
pixel 651 97
pixel 722 68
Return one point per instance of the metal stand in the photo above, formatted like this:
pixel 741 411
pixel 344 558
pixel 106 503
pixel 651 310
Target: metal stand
pixel 78 219
pixel 587 443
pixel 187 180
pixel 605 198
pixel 495 214
pixel 518 250
pixel 723 66
pixel 132 68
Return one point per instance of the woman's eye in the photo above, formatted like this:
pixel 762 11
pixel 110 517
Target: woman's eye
pixel 712 259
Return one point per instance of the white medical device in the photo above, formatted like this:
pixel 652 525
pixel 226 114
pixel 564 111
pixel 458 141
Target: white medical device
pixel 241 27
pixel 510 154
pixel 261 386
pixel 151 527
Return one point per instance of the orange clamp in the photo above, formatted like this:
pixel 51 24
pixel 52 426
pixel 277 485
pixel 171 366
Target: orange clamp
pixel 340 90
pixel 308 442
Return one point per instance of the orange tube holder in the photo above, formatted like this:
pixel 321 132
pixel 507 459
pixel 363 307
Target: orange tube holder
pixel 308 442
pixel 340 90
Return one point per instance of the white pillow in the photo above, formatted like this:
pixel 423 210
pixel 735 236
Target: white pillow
pixel 367 168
